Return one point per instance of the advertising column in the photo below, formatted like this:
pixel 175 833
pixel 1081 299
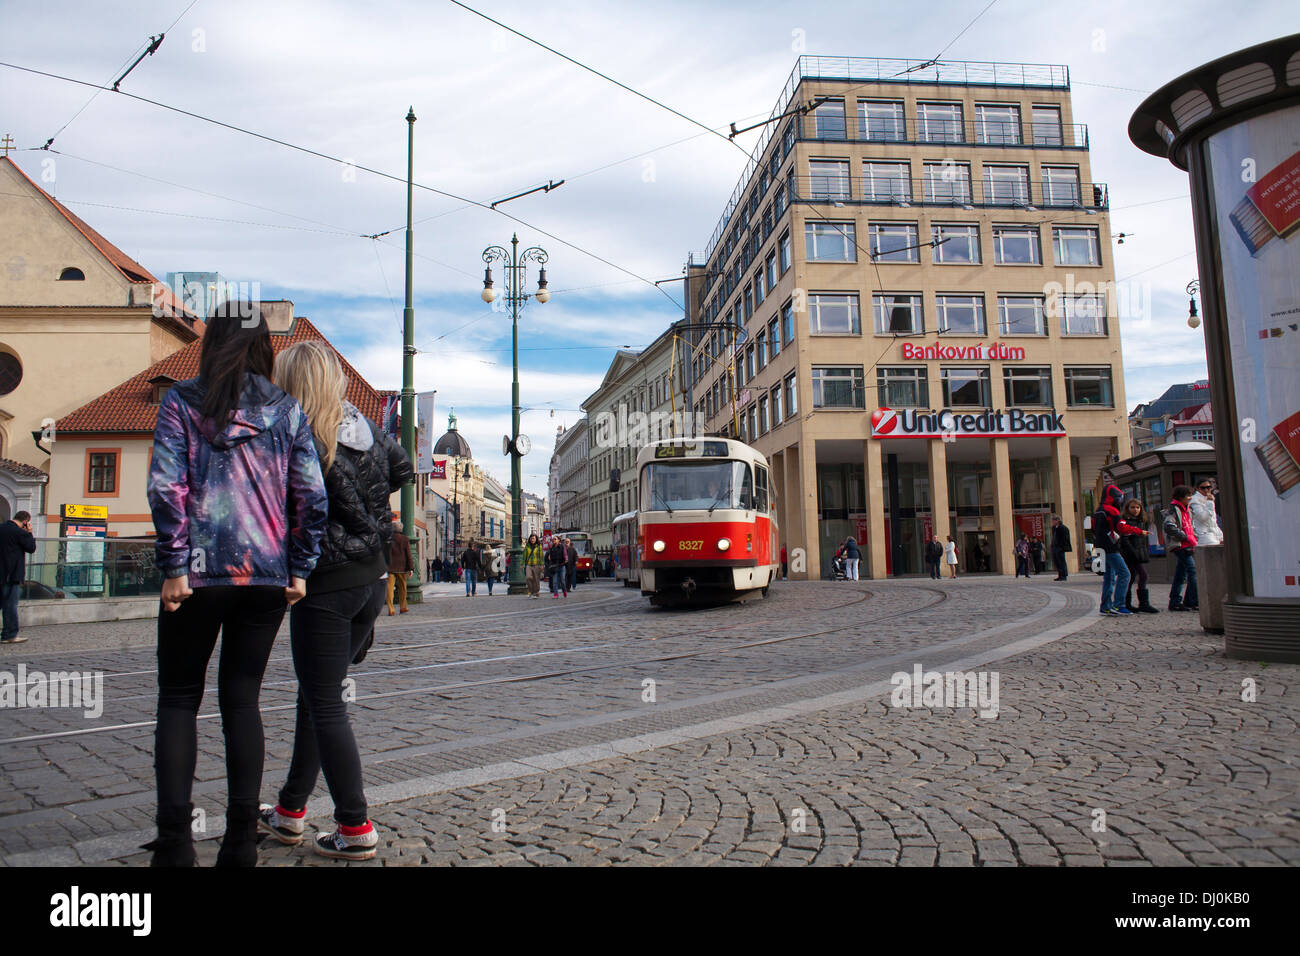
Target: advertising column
pixel 1235 125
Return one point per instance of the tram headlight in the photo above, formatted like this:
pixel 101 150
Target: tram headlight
pixel 658 545
pixel 724 544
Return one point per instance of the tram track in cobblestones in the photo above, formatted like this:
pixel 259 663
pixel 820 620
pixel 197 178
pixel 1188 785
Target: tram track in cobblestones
pixel 557 674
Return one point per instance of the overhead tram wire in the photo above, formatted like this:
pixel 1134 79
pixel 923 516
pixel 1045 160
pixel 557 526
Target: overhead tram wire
pixel 137 54
pixel 334 159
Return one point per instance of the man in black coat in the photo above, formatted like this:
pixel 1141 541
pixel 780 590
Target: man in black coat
pixel 16 542
pixel 1060 545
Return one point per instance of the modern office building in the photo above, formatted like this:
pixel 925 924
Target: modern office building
pixel 916 318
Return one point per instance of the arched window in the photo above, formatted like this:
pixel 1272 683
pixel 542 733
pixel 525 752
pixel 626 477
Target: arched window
pixel 11 372
pixel 71 274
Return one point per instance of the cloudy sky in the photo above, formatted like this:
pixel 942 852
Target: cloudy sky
pixel 497 115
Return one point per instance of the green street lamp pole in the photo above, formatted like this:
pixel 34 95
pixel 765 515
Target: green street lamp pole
pixel 414 596
pixel 515 263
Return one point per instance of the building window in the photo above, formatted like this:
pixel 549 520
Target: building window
pixel 1060 185
pixel 894 241
pixel 1076 246
pixel 1021 315
pixel 833 314
pixel 791 397
pixel 753 424
pixel 11 372
pixel 828 179
pixel 886 182
pixel 787 323
pixel 760 347
pixel 939 122
pixel 750 370
pixel 1088 386
pixel 881 121
pixel 839 387
pixel 960 314
pixel 749 302
pixel 955 243
pixel 762 415
pixel 784 249
pixel 773 340
pixel 1047 126
pixel 102 469
pixel 788 141
pixel 830 241
pixel 776 406
pixel 758 288
pixel 997 124
pixel 1026 385
pixel 778 202
pixel 966 387
pixel 771 272
pixel 947 182
pixel 1017 245
pixel 902 387
pixel 1081 314
pixel 897 314
pixel 1006 185
pixel 829 119
pixel 72 274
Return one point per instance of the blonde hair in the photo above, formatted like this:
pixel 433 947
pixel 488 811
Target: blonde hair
pixel 310 372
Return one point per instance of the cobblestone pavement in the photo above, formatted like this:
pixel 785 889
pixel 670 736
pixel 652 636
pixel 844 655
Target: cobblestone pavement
pixel 598 730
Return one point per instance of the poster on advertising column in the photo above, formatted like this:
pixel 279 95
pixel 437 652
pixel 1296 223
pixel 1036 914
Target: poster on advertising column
pixel 1255 168
pixel 424 432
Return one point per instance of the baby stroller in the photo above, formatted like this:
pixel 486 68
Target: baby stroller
pixel 839 570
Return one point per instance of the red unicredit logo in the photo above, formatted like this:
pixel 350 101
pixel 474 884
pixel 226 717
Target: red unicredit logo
pixel 884 421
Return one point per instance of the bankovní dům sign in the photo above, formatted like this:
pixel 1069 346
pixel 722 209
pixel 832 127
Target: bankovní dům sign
pixel 1008 423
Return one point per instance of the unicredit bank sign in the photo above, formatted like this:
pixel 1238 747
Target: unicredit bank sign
pixel 1006 423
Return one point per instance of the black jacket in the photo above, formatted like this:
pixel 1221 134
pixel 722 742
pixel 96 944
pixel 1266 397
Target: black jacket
pixel 15 545
pixel 469 559
pixel 1061 538
pixel 368 467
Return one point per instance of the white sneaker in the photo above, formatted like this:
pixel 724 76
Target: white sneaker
pixel 286 829
pixel 338 846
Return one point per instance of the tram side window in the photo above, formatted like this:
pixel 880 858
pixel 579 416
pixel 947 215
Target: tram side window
pixel 746 500
pixel 760 489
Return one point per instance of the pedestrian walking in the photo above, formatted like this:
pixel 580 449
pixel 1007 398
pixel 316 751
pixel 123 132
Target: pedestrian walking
pixel 1180 536
pixel 238 502
pixel 533 562
pixel 334 624
pixel 950 557
pixel 933 555
pixel 436 567
pixel 16 542
pixel 399 565
pixel 488 562
pixel 785 565
pixel 570 565
pixel 851 558
pixel 1021 549
pixel 559 570
pixel 1205 519
pixel 1060 545
pixel 1036 556
pixel 469 565
pixel 1135 549
pixel 1108 527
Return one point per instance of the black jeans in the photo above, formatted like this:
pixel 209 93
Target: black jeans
pixel 248 619
pixel 1058 559
pixel 326 631
pixel 9 601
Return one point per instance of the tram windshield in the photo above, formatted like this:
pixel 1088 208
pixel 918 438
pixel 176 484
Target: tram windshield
pixel 696 485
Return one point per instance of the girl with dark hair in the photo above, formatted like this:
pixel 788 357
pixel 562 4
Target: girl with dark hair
pixel 1135 549
pixel 238 501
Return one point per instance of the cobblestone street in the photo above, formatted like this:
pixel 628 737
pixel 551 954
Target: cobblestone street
pixel 598 730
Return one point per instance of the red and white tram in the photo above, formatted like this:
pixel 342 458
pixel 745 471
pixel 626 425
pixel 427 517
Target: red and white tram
pixel 707 523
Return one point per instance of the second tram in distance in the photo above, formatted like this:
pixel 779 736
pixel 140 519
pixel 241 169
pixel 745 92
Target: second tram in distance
pixel 706 525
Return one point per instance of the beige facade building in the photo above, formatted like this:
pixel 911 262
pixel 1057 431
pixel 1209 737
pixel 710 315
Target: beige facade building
pixel 916 315
pixel 642 398
pixel 570 496
pixel 77 317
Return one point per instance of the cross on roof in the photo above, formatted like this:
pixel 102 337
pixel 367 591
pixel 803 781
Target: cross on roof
pixel 7 144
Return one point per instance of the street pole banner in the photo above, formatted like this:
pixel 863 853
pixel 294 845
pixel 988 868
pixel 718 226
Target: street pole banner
pixel 1255 170
pixel 424 432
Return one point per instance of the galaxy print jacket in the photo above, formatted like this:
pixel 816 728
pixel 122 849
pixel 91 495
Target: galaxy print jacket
pixel 244 505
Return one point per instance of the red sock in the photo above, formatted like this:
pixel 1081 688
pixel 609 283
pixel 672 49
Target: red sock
pixel 293 814
pixel 355 831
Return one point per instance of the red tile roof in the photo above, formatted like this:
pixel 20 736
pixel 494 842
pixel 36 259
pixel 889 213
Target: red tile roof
pixel 1195 415
pixel 130 269
pixel 130 407
pixel 22 470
